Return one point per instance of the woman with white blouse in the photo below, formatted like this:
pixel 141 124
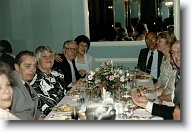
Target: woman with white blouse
pixel 83 60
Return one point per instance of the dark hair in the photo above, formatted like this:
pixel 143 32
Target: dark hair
pixel 18 58
pixel 5 69
pixel 83 38
pixel 2 48
pixel 141 28
pixel 7 46
pixel 118 24
pixel 170 28
pixel 130 29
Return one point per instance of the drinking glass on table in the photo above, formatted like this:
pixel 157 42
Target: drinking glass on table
pixel 137 69
pixel 128 107
pixel 82 96
pixel 126 96
pixel 120 66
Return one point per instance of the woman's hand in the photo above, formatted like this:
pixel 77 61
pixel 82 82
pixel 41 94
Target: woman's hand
pixel 58 58
pixel 82 72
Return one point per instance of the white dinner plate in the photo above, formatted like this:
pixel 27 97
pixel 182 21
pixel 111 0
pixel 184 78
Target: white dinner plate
pixel 143 80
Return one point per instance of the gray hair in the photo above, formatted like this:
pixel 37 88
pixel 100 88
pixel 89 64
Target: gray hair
pixel 43 49
pixel 66 43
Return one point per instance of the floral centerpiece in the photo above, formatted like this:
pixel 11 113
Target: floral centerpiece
pixel 106 77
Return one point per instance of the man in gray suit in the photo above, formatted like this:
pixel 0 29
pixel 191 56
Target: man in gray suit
pixel 25 99
pixel 162 110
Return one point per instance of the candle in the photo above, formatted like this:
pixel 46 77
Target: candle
pixel 104 92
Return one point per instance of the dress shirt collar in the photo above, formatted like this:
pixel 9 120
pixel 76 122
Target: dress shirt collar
pixel 155 51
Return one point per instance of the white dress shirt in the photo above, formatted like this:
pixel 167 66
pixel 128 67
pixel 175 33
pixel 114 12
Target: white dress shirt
pixel 154 65
pixel 72 73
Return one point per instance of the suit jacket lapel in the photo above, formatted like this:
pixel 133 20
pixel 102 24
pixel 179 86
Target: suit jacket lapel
pixel 22 86
pixel 177 90
pixel 145 57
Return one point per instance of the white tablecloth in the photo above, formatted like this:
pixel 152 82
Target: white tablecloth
pixel 139 114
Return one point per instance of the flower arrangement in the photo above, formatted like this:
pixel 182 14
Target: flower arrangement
pixel 106 77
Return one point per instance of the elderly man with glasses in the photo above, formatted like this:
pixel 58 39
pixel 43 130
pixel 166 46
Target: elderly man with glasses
pixel 145 54
pixel 67 65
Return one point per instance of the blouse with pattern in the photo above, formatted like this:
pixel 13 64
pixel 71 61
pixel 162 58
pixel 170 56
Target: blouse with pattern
pixel 50 88
pixel 165 70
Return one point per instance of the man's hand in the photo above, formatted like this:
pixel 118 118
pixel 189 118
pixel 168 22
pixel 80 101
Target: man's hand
pixel 139 100
pixel 176 113
pixel 159 100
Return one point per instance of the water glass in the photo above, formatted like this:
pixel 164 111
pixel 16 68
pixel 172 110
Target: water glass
pixel 82 96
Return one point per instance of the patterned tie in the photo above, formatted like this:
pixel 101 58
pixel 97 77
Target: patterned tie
pixel 28 88
pixel 149 64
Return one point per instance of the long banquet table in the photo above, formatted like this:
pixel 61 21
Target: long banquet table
pixel 139 114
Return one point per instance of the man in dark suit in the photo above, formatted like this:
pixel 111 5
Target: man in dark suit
pixel 25 99
pixel 162 110
pixel 6 57
pixel 144 55
pixel 67 65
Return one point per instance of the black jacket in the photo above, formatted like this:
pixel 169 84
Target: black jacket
pixel 142 60
pixel 64 66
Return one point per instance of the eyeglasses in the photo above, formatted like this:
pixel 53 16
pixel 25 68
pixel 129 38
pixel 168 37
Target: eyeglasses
pixel 72 49
pixel 148 39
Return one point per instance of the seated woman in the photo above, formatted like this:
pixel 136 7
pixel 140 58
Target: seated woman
pixel 48 83
pixel 83 60
pixel 166 97
pixel 164 41
pixel 6 92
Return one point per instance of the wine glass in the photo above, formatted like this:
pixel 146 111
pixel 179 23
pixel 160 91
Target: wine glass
pixel 126 96
pixel 82 96
pixel 119 66
pixel 137 69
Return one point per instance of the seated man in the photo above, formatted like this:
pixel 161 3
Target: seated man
pixel 161 110
pixel 67 65
pixel 25 99
pixel 144 56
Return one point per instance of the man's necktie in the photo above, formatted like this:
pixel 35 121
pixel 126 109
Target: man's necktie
pixel 149 64
pixel 28 88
